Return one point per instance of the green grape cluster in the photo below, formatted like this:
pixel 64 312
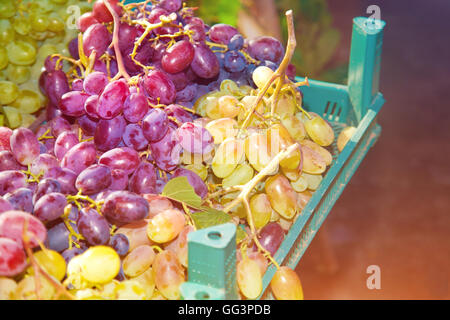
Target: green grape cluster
pixel 30 30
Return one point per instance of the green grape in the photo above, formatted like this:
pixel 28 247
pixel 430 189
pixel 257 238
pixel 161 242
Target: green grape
pixel 286 285
pixel 28 39
pixel 38 36
pixel 87 294
pixel 18 74
pixel 27 102
pixel 239 209
pixel 147 280
pixel 225 106
pixel 9 92
pixel 292 174
pixel 301 184
pixel 26 289
pixel 56 24
pixel 2 120
pixel 286 105
pixel 344 137
pixel 257 150
pixel 279 140
pixel 199 169
pixel 282 196
pixel 45 50
pixel 39 22
pixel 294 126
pixel 223 128
pixel 249 278
pixel 229 86
pixel 27 119
pixel 313 180
pixel 261 210
pixel 22 25
pixel 130 290
pixel 8 288
pixel 46 6
pixel 52 262
pixel 21 53
pixel 138 261
pixel 99 264
pixel 7 33
pixel 320 131
pixel 324 153
pixel 261 75
pixel 248 103
pixel 228 155
pixel 240 176
pixel 13 117
pixel 313 162
pixel 3 58
pixel 7 9
pixel 202 103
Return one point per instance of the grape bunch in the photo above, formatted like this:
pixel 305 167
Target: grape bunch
pixel 150 94
pixel 29 32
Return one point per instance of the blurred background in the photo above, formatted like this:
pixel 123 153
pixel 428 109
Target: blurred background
pixel 395 212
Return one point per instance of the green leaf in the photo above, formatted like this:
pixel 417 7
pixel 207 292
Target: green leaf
pixel 228 11
pixel 180 190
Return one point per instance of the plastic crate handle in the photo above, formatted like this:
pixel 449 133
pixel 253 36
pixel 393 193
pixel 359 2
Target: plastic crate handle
pixel 364 65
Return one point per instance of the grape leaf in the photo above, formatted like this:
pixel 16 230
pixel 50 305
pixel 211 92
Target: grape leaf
pixel 180 190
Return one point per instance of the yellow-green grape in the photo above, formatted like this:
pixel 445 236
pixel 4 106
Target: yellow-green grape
pixel 13 117
pixel 100 264
pixel 261 209
pixel 21 53
pixel 294 126
pixel 313 180
pixel 39 22
pixel 7 33
pixel 169 274
pixel 52 262
pixel 130 290
pixel 195 158
pixel 249 278
pixel 326 155
pixel 344 137
pixel 286 105
pixel 223 128
pixel 8 288
pixel 158 296
pixel 292 174
pixel 279 140
pixel 230 87
pixel 248 103
pixel 261 75
pixel 27 102
pixel 301 184
pixel 9 92
pixel 257 150
pixel 206 101
pixel 320 131
pixel 240 176
pixel 138 261
pixel 87 294
pixel 147 280
pixel 274 217
pixel 18 74
pixel 225 106
pixel 29 40
pixel 136 233
pixel 26 289
pixel 313 162
pixel 239 209
pixel 109 290
pixel 3 58
pixel 45 50
pixel 166 225
pixel 228 155
pixel 56 24
pixel 246 90
pixel 282 196
pixel 22 25
pixel 2 120
pixel 27 119
pixel 199 169
pixel 286 285
pixel 7 9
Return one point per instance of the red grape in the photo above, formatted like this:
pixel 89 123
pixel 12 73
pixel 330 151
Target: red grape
pixel 72 103
pixel 178 57
pixel 12 258
pixel 222 33
pixel 50 206
pixel 157 84
pixel 93 226
pixel 135 107
pixel 125 159
pixel 205 63
pixel 13 223
pixel 110 103
pixel 155 125
pixel 125 207
pixel 96 37
pixel 79 157
pixel 86 20
pixel 143 179
pixel 24 145
pixel 266 48
pixel 133 137
pixel 108 133
pixel 93 179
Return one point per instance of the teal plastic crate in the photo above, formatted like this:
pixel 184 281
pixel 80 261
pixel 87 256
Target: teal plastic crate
pixel 356 104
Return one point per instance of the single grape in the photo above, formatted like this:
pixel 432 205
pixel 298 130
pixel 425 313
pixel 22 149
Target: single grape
pixel 127 36
pixel 271 236
pixel 125 206
pixel 236 42
pixel 77 85
pixel 94 179
pixel 68 254
pixel 65 177
pixel 52 262
pixel 125 159
pixel 234 61
pixel 187 94
pixel 108 133
pixel 119 180
pixel 147 280
pixel 95 82
pixel 21 199
pixel 11 180
pixel 240 176
pixel 50 206
pixel 324 153
pixel 266 48
pixel 135 107
pixel 143 179
pixel 176 111
pixel 166 226
pixel 13 225
pixel 8 288
pixel 157 84
pixel 222 33
pixel 194 138
pixel 133 137
pixel 198 31
pixel 169 274
pixel 313 161
pixel 205 63
pixel 56 85
pixel 65 141
pixel 228 155
pixel 72 103
pixel 261 210
pixel 110 103
pixel 155 125
pixel 101 11
pixel 179 246
pixel 178 57
pixel 58 237
pixel 99 264
pixel 21 53
pixel 24 145
pixel 286 285
pixel 166 152
pixel 157 204
pixel 344 137
pixel 5 136
pixel 97 38
pixel 86 20
pixel 5 205
pixel 8 161
pixel 13 259
pixel 120 243
pixel 79 157
pixel 93 226
pixel 59 125
pixel 320 131
pixel 87 124
pixel 138 261
pixel 136 232
pixel 249 278
pixel 170 5
pixel 43 163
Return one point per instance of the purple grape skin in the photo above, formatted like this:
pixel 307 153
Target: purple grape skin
pixel 65 141
pixel 179 80
pixel 143 179
pixel 93 226
pixel 166 152
pixel 59 125
pixel 93 179
pixel 21 199
pixel 234 61
pixel 194 138
pixel 97 38
pixel 125 159
pixel 79 157
pixel 120 243
pixel 5 205
pixel 11 180
pixel 176 111
pixel 119 180
pixel 205 63
pixel 194 180
pixel 68 254
pixel 188 93
pixel 133 137
pixel 87 124
pixel 58 237
pixel 271 236
pixel 73 48
pixel 8 161
pixel 91 105
pixel 157 84
pixel 155 125
pixel 266 48
pixel 45 186
pixel 56 85
pixel 108 133
pixel 222 33
pixel 127 36
pixel 72 103
pixel 43 163
pixel 170 5
pixel 199 31
pixel 125 207
pixel 77 85
pixel 110 103
pixel 65 177
pixel 95 82
pixel 24 145
pixel 178 57
pixel 144 55
pixel 50 206
pixel 135 107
